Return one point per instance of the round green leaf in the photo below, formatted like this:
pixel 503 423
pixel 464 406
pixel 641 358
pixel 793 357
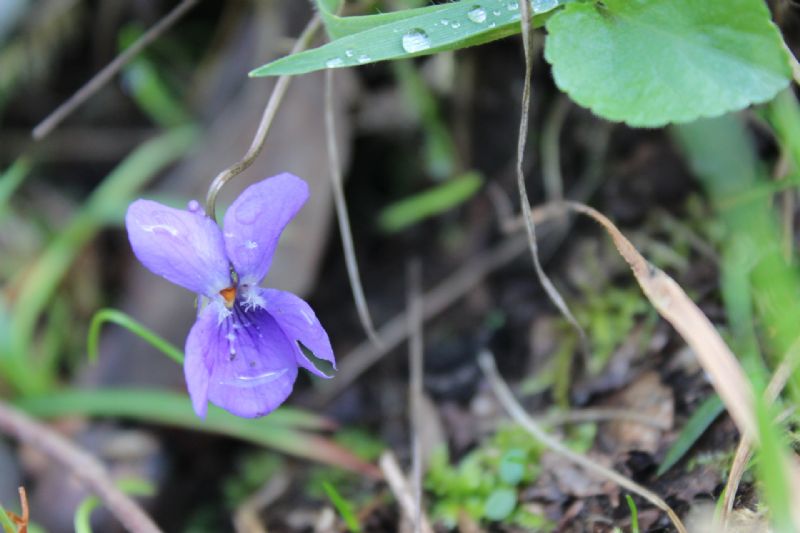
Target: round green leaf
pixel 500 504
pixel 651 62
pixel 512 466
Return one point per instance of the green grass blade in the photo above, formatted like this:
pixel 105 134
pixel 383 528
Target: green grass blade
pixel 708 411
pixel 121 319
pixel 436 28
pixel 434 201
pixel 11 179
pixel 44 276
pixel 772 468
pixel 163 407
pixel 343 506
pixel 634 514
pixel 280 431
pixel 337 26
pixel 83 514
pixel 6 522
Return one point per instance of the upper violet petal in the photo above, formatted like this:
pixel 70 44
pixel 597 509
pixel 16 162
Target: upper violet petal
pixel 200 352
pixel 254 368
pixel 300 324
pixel 254 222
pixel 185 248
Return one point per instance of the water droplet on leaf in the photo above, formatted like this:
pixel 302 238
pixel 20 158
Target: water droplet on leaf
pixel 477 15
pixel 349 53
pixel 364 58
pixel 416 41
pixel 334 62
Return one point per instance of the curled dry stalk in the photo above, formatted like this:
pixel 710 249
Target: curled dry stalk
pixel 341 214
pixel 510 404
pixel 264 126
pixel 530 225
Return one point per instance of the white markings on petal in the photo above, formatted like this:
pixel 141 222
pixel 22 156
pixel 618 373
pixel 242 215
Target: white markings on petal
pixel 153 228
pixel 307 316
pixel 254 381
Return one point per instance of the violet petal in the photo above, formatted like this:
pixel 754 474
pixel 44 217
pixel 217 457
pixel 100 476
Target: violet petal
pixel 183 247
pixel 254 222
pixel 252 364
pixel 199 357
pixel 300 324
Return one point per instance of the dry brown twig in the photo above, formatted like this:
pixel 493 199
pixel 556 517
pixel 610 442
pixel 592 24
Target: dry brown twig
pixel 81 464
pixel 102 78
pixel 530 224
pixel 402 490
pixel 341 214
pixel 510 404
pixel 415 355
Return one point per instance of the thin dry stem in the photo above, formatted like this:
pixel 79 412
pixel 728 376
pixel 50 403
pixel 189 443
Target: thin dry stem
pixel 342 216
pixel 510 404
pixel 530 225
pixel 275 99
pixel 108 72
pixel 605 415
pixel 415 355
pixel 82 465
pixel 402 490
pixel 436 300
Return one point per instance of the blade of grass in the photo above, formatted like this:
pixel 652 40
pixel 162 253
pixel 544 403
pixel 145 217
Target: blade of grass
pixel 49 269
pixel 698 423
pixel 83 514
pixel 344 507
pixel 279 431
pixel 6 522
pixel 442 27
pixel 11 179
pixel 634 514
pixel 431 202
pixel 124 320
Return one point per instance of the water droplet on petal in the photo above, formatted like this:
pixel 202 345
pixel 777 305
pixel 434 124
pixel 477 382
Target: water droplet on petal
pixel 416 41
pixel 251 245
pixel 477 15
pixel 334 62
pixel 193 206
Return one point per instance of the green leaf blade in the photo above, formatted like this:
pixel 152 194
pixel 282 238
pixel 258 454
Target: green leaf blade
pixel 441 27
pixel 653 62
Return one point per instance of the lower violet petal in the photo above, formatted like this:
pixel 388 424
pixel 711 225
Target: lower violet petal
pixel 199 357
pixel 253 368
pixel 300 324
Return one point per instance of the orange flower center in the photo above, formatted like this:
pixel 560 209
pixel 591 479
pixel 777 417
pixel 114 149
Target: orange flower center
pixel 229 294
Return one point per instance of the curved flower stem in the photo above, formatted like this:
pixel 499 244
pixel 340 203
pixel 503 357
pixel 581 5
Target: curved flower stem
pixel 260 137
pixel 83 466
pixel 342 217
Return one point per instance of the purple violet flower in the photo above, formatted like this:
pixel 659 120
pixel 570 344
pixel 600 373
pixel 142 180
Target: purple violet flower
pixel 243 351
